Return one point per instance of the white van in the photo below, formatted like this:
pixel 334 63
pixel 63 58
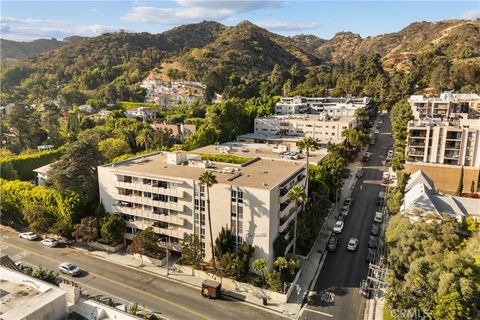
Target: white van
pixel 378 217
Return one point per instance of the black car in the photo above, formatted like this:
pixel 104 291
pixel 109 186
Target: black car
pixel 359 173
pixel 375 230
pixel 370 256
pixel 365 158
pixel 348 202
pixel 372 242
pixel 332 244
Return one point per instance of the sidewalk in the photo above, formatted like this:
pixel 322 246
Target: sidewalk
pixel 310 267
pixel 313 265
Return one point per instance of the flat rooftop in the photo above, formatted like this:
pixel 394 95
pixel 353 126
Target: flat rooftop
pixel 262 150
pixel 261 174
pixel 309 117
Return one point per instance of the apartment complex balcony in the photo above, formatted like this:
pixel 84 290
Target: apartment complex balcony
pixel 299 180
pixel 150 202
pixel 416 153
pixel 417 134
pixel 285 221
pixel 452 155
pixel 150 215
pixel 454 136
pixel 172 232
pixel 285 208
pixel 148 188
pixel 452 146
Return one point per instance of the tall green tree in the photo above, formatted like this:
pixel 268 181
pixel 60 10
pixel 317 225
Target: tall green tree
pixel 76 170
pixel 208 179
pixel 86 231
pixel 112 229
pixel 144 138
pixel 24 123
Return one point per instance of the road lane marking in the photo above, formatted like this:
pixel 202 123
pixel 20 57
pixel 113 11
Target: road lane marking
pixel 123 285
pixel 319 312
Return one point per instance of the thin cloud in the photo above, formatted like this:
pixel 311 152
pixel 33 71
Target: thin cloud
pixel 287 26
pixel 29 28
pixel 189 11
pixel 472 14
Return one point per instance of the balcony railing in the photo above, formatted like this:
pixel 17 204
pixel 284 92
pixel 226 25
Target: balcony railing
pixel 285 221
pixel 150 202
pixel 173 232
pixel 148 188
pixel 150 215
pixel 415 153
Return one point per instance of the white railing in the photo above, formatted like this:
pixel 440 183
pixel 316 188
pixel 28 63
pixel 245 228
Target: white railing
pixel 149 188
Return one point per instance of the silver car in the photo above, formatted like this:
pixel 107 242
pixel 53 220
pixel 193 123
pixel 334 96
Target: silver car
pixel 49 243
pixel 28 235
pixel 69 268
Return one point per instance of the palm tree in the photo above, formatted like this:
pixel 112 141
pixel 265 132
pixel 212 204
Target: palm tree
pixel 208 179
pixel 144 138
pixel 298 195
pixel 307 144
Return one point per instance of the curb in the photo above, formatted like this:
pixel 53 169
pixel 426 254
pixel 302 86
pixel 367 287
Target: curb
pixel 225 293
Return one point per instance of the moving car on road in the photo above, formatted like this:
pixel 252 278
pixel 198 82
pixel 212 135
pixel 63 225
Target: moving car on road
pixel 28 235
pixel 352 244
pixel 49 243
pixel 338 227
pixel 69 268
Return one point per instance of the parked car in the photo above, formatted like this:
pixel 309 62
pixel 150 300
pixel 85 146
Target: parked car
pixel 69 268
pixel 375 230
pixel 365 289
pixel 360 173
pixel 49 242
pixel 344 211
pixel 372 142
pixel 372 242
pixel 332 244
pixel 348 202
pixel 352 244
pixel 28 235
pixel 378 217
pixel 370 255
pixel 338 226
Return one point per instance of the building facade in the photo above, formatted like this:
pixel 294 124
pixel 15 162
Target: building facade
pixel 328 105
pixel 445 137
pixel 162 190
pixel 320 127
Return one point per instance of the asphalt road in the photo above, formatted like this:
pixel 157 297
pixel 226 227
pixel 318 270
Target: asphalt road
pixel 126 285
pixel 336 291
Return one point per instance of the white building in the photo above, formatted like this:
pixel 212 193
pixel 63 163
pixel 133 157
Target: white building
pixel 141 112
pixel 25 297
pixel 453 142
pixel 422 201
pixel 329 105
pixel 448 105
pixel 321 127
pixel 162 190
pixel 41 174
pixel 175 92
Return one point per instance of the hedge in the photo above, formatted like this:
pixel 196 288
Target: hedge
pixel 25 164
pixel 127 105
pixel 16 195
pixel 227 158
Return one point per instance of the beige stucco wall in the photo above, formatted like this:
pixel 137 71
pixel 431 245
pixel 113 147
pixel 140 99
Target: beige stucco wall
pixel 446 177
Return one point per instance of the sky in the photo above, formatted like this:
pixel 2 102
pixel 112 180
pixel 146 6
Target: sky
pixel 28 20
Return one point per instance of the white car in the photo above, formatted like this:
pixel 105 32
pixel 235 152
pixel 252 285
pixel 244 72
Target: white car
pixel 49 242
pixel 28 235
pixel 69 268
pixel 338 227
pixel 378 217
pixel 352 244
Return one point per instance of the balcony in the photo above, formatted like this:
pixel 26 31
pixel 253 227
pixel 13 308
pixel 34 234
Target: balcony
pixel 452 146
pixel 285 221
pixel 173 232
pixel 454 136
pixel 150 215
pixel 416 153
pixel 150 202
pixel 148 188
pixel 285 208
pixel 452 155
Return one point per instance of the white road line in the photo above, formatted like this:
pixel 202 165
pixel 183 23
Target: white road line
pixel 319 312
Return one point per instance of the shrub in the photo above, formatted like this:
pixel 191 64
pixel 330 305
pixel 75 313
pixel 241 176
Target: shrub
pixel 227 158
pixel 274 280
pixel 112 229
pixel 25 164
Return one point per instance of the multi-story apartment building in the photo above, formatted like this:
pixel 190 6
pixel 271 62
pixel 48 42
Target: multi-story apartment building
pixel 162 190
pixel 448 105
pixel 444 142
pixel 328 105
pixel 444 137
pixel 321 127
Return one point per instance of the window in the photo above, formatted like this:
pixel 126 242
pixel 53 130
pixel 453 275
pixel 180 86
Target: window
pixel 147 181
pixel 172 199
pixel 147 194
